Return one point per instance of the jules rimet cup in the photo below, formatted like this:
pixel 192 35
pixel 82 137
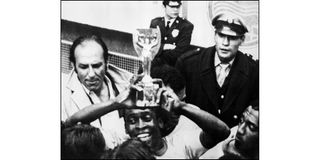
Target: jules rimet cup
pixel 147 43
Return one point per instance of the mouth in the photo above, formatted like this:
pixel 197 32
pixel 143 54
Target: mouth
pixel 223 50
pixel 144 136
pixel 94 82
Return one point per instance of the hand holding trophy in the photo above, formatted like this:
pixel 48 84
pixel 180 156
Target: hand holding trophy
pixel 147 43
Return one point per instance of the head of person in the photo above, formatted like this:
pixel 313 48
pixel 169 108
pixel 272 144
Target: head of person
pixel 88 56
pixel 144 124
pixel 229 35
pixel 133 148
pixel 171 8
pixel 82 142
pixel 247 136
pixel 171 77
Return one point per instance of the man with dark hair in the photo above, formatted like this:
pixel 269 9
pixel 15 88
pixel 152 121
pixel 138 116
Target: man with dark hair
pixel 133 148
pixel 93 81
pixel 175 33
pixel 220 79
pixel 243 140
pixel 145 123
pixel 82 141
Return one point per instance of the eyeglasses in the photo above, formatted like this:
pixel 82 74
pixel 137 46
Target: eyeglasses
pixel 175 6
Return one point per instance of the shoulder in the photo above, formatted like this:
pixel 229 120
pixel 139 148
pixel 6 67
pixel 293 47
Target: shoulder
pixel 184 22
pixel 157 19
pixel 190 55
pixel 248 58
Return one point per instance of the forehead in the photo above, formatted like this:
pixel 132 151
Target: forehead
pixel 88 50
pixel 251 115
pixel 129 112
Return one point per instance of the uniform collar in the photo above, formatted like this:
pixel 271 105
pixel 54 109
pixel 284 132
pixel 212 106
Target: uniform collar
pixel 217 60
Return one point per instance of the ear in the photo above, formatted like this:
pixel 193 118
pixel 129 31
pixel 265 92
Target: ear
pixel 160 123
pixel 243 38
pixel 73 66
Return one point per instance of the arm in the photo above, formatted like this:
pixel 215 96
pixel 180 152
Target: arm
pixel 213 129
pixel 182 43
pixel 93 112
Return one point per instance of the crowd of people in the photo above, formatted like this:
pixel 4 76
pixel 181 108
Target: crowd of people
pixel 212 107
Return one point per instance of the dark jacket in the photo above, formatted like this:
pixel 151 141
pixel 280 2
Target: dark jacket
pixel 179 34
pixel 202 90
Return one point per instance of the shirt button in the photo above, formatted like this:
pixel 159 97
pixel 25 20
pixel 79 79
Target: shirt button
pixel 222 96
pixel 235 116
pixel 165 38
pixel 219 111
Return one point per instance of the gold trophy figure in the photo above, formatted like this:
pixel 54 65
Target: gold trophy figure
pixel 147 44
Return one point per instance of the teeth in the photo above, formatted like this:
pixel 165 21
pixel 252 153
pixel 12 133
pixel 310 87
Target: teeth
pixel 143 135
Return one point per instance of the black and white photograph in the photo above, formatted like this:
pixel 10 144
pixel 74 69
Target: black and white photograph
pixel 160 79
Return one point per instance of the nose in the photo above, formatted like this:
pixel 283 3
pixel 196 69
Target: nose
pixel 225 41
pixel 91 72
pixel 241 129
pixel 141 123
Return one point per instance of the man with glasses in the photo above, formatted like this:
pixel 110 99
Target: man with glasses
pixel 175 33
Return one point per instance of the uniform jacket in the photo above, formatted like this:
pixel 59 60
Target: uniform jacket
pixel 179 34
pixel 243 90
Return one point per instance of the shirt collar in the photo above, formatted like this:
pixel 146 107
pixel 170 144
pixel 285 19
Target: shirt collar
pixel 171 21
pixel 217 60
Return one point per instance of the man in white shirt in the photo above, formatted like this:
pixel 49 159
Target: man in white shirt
pixel 92 82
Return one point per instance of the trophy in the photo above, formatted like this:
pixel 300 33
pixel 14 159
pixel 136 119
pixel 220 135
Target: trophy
pixel 147 43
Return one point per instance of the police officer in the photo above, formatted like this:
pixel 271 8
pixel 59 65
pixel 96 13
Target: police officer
pixel 175 33
pixel 221 79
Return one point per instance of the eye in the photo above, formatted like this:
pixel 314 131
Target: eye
pixel 132 120
pixel 233 38
pixel 147 118
pixel 97 65
pixel 83 66
pixel 253 127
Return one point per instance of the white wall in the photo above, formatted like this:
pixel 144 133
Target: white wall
pixel 126 16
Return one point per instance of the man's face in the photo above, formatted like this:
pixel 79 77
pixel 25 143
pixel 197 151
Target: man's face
pixel 247 137
pixel 227 46
pixel 172 10
pixel 142 123
pixel 90 65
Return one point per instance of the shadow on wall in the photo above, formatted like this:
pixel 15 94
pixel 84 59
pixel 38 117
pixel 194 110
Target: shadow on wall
pixel 115 40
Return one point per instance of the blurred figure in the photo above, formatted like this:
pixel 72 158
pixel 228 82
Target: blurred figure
pixel 175 32
pixel 82 142
pixel 243 140
pixel 132 149
pixel 220 79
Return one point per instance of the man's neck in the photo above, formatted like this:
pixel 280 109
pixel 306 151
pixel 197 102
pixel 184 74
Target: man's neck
pixel 103 93
pixel 161 148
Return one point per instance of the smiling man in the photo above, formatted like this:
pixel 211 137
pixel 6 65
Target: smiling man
pixel 147 124
pixel 220 79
